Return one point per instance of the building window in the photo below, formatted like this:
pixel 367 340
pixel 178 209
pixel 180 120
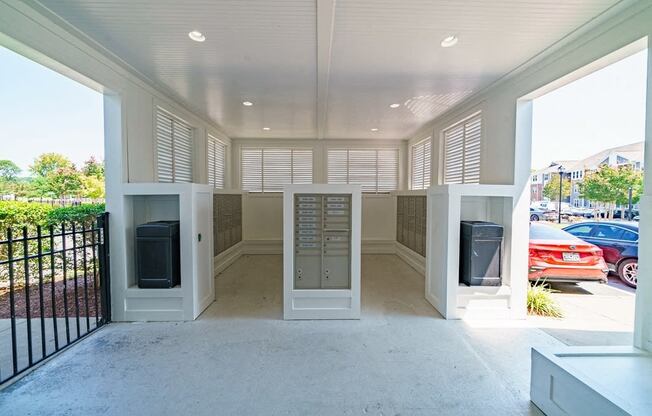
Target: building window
pixel 375 169
pixel 269 169
pixel 216 162
pixel 462 146
pixel 174 148
pixel 421 162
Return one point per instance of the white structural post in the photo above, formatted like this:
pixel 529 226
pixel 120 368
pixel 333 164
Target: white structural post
pixel 643 320
pixel 321 251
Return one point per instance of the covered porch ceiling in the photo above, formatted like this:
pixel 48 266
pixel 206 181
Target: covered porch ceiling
pixel 324 68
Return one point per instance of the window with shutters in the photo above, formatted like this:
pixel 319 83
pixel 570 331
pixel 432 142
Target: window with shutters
pixel 216 162
pixel 268 169
pixel 462 151
pixel 421 162
pixel 174 150
pixel 375 169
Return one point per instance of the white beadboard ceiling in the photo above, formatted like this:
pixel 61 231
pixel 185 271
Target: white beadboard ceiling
pixel 325 68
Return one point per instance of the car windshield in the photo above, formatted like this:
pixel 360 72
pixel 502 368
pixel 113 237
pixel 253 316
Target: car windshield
pixel 546 232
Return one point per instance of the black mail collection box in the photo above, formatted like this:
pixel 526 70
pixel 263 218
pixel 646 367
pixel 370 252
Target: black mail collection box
pixel 480 253
pixel 158 254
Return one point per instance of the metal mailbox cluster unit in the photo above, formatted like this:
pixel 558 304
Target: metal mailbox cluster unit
pixel 411 217
pixel 322 252
pixel 227 220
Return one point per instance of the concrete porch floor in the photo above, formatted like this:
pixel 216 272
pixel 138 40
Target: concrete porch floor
pixel 241 358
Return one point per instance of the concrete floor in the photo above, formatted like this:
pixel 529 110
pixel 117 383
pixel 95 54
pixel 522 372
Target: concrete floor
pixel 594 314
pixel 240 358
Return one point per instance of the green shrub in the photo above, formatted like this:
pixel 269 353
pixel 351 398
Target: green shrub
pixel 540 302
pixel 16 214
pixel 78 213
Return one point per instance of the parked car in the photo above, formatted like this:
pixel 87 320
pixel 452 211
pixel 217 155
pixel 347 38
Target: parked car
pixel 619 242
pixel 582 212
pixel 537 214
pixel 558 256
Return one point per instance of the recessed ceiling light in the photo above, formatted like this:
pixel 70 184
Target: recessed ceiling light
pixel 374 129
pixel 247 103
pixel 449 41
pixel 197 36
pixel 395 105
pixel 266 128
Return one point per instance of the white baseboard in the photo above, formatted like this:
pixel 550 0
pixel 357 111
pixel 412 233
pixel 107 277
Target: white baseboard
pixel 415 260
pixel 227 258
pixel 378 247
pixel 263 247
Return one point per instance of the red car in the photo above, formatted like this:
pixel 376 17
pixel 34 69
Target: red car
pixel 557 256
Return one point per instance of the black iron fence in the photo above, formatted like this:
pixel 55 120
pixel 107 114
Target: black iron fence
pixel 54 290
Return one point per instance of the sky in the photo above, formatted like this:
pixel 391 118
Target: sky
pixel 601 110
pixel 43 111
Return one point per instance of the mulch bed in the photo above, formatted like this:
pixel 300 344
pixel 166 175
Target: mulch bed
pixel 34 299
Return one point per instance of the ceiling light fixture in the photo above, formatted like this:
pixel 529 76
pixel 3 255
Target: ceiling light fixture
pixel 374 129
pixel 197 36
pixel 449 41
pixel 247 103
pixel 266 128
pixel 395 105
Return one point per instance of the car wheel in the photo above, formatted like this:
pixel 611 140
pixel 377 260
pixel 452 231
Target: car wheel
pixel 628 272
pixel 534 217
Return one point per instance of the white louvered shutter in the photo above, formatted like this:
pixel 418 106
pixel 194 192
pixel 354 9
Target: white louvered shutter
pixel 164 147
pixel 174 148
pixel 216 162
pixel 472 145
pixel 462 151
pixel 387 170
pixel 376 170
pixel 421 164
pixel 269 169
pixel 252 170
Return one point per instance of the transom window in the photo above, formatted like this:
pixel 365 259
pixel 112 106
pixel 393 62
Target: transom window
pixel 421 162
pixel 375 169
pixel 269 169
pixel 462 146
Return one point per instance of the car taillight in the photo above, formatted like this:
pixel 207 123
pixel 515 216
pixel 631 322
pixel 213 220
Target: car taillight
pixel 598 252
pixel 534 253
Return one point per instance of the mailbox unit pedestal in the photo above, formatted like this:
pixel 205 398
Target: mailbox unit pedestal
pixel 321 251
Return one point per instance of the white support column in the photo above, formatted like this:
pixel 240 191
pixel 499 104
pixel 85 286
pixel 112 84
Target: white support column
pixel 643 322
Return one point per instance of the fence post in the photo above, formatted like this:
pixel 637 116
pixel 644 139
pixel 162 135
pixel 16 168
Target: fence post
pixel 105 268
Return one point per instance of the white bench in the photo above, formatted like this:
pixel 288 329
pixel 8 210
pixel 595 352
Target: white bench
pixel 592 381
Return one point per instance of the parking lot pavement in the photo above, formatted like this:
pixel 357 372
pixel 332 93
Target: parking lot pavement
pixel 594 314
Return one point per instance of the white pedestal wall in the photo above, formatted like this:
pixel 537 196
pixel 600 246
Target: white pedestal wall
pixel 448 205
pixel 192 205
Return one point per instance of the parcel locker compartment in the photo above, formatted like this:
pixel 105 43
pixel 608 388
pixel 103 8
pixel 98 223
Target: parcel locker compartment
pixel 336 272
pixel 307 272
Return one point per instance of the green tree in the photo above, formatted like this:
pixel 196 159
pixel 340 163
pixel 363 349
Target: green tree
pixel 63 182
pixel 48 163
pixel 92 187
pixel 610 186
pixel 551 189
pixel 93 168
pixel 9 171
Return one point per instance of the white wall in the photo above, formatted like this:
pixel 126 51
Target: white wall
pixel 262 213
